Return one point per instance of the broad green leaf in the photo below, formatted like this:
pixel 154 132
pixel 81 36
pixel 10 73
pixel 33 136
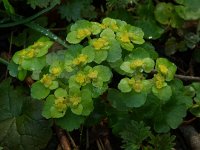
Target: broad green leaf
pixel 77 110
pixel 151 29
pixel 13 69
pixel 70 121
pixel 188 9
pixel 22 75
pixel 114 52
pixel 60 92
pixel 39 91
pixel 153 54
pixel 104 73
pixel 195 110
pixel 100 56
pixel 164 93
pixel 147 21
pixel 86 101
pixel 50 110
pixel 107 33
pixel 89 51
pixel 34 63
pixel 123 101
pixel 21 121
pixel 149 65
pixel 95 28
pixel 125 66
pixel 165 14
pixel 74 10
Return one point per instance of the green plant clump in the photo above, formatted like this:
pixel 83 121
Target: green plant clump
pixel 70 81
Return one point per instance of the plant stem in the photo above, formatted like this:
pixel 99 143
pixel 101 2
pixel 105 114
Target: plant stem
pixel 187 78
pixel 3 61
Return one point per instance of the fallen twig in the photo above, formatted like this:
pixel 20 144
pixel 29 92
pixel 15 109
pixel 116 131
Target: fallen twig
pixel 64 142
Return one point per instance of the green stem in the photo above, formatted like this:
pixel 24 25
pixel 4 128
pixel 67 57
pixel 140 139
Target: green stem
pixel 23 21
pixel 3 61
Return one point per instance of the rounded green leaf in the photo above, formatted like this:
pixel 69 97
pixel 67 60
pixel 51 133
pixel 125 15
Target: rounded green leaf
pixel 86 101
pixel 77 110
pixel 39 91
pixel 165 14
pixel 21 74
pixel 60 92
pixel 108 33
pixel 72 38
pixel 124 85
pixel 96 28
pixel 49 109
pixel 54 85
pixel 114 52
pixel 33 64
pixel 70 121
pixel 100 56
pixel 90 52
pixel 125 66
pixel 164 93
pixel 104 73
pixel 148 65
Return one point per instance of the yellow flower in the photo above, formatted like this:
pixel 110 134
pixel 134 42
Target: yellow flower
pixel 81 33
pixel 103 26
pixel 138 86
pixel 131 81
pixel 114 26
pixel 75 100
pixel 136 63
pixel 81 59
pixel 159 81
pixel 100 43
pixel 56 70
pixel 124 37
pixel 93 74
pixel 163 69
pixel 60 103
pixel 46 80
pixel 80 78
pixel 23 53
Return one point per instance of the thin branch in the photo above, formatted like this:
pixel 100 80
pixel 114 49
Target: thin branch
pixel 187 78
pixel 72 142
pixel 3 61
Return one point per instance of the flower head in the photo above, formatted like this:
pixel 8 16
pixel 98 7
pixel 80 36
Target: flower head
pixel 101 43
pixel 82 33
